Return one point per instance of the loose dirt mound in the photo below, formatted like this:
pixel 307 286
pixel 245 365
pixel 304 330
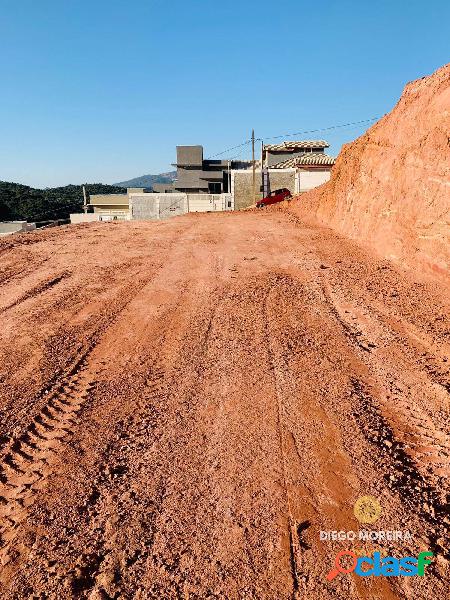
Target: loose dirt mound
pixel 391 187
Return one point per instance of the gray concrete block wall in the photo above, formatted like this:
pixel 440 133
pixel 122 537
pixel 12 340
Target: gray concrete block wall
pixel 163 206
pixel 146 207
pixel 242 185
pixel 172 205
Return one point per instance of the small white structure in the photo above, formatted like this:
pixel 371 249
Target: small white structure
pixel 308 180
pixel 76 218
pixel 9 227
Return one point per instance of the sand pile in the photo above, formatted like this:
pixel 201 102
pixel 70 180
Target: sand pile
pixel 391 187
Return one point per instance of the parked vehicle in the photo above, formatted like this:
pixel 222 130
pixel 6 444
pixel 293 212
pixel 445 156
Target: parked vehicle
pixel 274 197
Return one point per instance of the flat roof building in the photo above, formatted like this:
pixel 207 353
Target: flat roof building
pixel 196 174
pixel 113 207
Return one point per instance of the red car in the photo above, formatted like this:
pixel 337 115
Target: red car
pixel 274 197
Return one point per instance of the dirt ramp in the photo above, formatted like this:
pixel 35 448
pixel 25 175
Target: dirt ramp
pixel 391 187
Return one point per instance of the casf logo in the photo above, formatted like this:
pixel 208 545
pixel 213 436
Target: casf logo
pixel 364 566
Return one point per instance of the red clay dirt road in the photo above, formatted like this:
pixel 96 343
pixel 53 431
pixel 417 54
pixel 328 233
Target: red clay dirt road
pixel 186 404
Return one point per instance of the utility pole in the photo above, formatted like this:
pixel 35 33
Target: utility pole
pixel 85 205
pixel 265 180
pixel 253 161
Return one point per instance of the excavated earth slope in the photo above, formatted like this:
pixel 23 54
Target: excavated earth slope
pixel 391 187
pixel 186 405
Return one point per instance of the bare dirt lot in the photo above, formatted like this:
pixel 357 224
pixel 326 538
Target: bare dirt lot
pixel 186 404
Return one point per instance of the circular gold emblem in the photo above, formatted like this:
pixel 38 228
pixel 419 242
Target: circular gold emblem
pixel 367 509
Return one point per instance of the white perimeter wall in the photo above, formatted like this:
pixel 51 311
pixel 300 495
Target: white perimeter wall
pixel 163 206
pixel 84 218
pixel 307 180
pixel 7 227
pixel 209 202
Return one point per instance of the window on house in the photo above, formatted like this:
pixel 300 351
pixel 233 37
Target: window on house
pixel 214 188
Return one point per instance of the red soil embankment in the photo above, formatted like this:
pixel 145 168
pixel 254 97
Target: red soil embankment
pixel 391 187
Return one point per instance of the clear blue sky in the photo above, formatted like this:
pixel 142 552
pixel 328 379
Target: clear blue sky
pixel 103 90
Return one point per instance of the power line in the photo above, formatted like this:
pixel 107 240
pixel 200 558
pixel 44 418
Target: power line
pixel 239 154
pixel 233 148
pixel 276 137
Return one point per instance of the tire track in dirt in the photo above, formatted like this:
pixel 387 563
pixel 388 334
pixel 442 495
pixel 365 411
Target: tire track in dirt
pixel 105 575
pixel 99 570
pixel 83 348
pixel 418 452
pixel 85 341
pixel 31 456
pixel 28 461
pixel 294 550
pixel 19 269
pixel 404 477
pixel 312 432
pixel 101 576
pixel 37 290
pixel 426 443
pixel 28 457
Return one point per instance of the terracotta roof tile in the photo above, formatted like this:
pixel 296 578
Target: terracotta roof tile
pixel 309 158
pixel 292 144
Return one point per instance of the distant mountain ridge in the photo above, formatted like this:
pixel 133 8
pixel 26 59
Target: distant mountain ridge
pixel 147 181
